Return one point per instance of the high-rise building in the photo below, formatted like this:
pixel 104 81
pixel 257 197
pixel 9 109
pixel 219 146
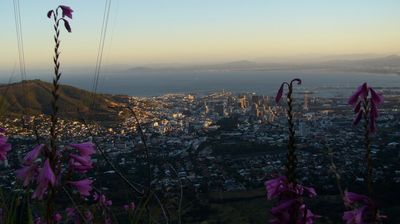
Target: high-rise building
pixel 265 101
pixel 255 99
pixel 243 103
pixel 306 101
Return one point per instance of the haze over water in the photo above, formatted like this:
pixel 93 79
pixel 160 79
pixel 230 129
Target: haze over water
pixel 154 83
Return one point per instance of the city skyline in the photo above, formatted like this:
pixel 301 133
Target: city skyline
pixel 203 32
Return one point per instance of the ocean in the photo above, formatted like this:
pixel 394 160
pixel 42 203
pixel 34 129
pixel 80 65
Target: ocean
pixel 155 83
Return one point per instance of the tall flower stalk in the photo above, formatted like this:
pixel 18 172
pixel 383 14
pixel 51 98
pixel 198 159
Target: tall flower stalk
pixel 365 102
pixel 66 12
pixel 48 177
pixel 291 163
pixel 290 208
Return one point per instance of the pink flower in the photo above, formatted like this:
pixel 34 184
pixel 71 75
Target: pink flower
pixel 275 187
pixel 358 118
pixel 365 212
pixel 290 199
pixel 50 13
pixel 73 217
pixel 38 220
pixel 85 149
pixel 102 199
pixel 352 198
pixel 80 164
pixel 70 212
pixel 279 185
pixel 27 174
pixel 4 147
pixel 126 207
pixel 82 186
pixel 362 105
pixel 309 216
pixel 357 108
pixel 88 216
pixel 96 196
pixel 31 156
pixel 355 216
pixel 374 110
pixel 279 93
pixel 66 11
pixel 361 92
pixel 46 177
pixel 57 217
pixel 67 26
pixel 40 191
pixel 280 90
pixel 283 213
pixel 377 98
pixel 310 191
pixel 47 174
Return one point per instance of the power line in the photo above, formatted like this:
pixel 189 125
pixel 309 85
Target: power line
pixel 99 59
pixel 20 42
pixel 21 53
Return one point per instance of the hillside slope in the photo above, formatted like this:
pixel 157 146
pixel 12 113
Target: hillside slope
pixel 34 97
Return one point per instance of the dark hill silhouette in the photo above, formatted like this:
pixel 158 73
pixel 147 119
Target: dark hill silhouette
pixel 34 97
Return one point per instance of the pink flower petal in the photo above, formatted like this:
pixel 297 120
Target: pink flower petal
pixel 279 94
pixel 85 148
pixel 27 174
pixel 82 186
pixel 67 26
pixel 66 11
pixel 31 156
pixel 358 118
pixel 361 92
pixel 377 98
pixel 49 13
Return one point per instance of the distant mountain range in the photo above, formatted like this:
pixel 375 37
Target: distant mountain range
pixel 34 97
pixel 387 64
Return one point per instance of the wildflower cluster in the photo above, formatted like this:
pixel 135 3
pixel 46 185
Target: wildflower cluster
pixel 364 106
pixel 290 207
pixel 103 205
pixel 364 209
pixel 98 212
pixel 44 175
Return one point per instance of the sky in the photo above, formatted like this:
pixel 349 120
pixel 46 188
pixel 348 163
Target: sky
pixel 201 31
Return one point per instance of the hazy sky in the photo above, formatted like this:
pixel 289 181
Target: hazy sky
pixel 196 31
